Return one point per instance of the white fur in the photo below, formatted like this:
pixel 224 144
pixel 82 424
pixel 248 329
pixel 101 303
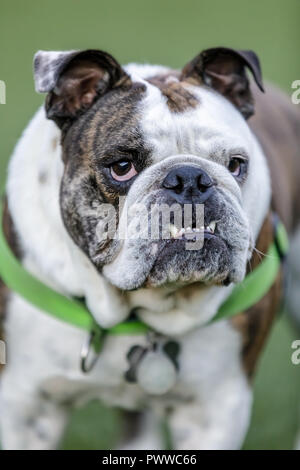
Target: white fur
pixel 212 398
pixel 213 125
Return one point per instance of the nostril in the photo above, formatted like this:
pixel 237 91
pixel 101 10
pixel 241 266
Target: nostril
pixel 174 182
pixel 204 182
pixel 180 185
pixel 203 187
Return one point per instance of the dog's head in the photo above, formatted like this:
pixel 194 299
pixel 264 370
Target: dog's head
pixel 141 136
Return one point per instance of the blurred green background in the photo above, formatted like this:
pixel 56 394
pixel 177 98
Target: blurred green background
pixel 171 33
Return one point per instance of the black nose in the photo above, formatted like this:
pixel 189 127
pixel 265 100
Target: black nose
pixel 189 181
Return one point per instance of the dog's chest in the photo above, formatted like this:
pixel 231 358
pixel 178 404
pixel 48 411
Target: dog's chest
pixel 51 353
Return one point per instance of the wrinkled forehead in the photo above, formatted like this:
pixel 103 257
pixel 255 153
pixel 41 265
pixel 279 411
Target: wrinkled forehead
pixel 179 118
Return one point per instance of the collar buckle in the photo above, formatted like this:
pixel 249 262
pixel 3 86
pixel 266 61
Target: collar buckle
pixel 91 349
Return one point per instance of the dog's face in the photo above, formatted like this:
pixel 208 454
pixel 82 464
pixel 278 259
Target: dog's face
pixel 139 137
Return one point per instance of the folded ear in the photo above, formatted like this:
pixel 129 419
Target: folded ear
pixel 74 80
pixel 224 70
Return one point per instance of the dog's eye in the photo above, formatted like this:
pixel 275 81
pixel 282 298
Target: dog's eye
pixel 123 170
pixel 237 166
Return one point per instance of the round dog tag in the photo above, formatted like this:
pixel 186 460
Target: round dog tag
pixel 156 373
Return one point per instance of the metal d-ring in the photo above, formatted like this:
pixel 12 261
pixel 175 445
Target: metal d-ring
pixel 86 352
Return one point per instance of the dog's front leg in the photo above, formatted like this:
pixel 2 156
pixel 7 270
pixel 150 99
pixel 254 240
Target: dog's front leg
pixel 218 421
pixel 30 421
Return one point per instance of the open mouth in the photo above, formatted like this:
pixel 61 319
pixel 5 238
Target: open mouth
pixel 190 233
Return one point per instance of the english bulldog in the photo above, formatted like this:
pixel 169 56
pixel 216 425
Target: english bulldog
pixel 146 134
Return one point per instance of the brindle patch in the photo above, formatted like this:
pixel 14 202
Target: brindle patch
pixel 179 98
pixel 108 132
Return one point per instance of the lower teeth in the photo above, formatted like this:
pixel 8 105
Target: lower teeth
pixel 175 233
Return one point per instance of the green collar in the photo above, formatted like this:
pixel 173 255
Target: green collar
pixel 244 295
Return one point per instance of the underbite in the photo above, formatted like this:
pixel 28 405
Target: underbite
pixel 189 232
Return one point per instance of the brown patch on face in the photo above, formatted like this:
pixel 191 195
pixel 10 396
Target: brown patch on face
pixel 105 134
pixel 179 98
pixel 11 238
pixel 255 323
